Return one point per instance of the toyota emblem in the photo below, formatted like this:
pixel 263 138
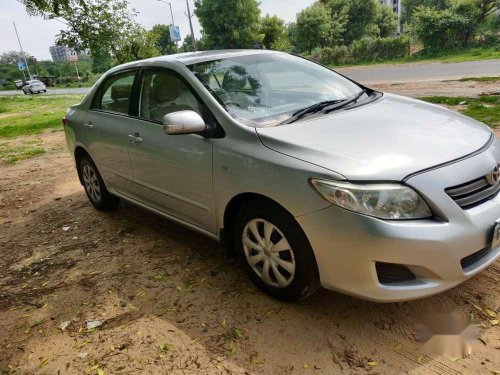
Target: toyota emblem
pixel 494 177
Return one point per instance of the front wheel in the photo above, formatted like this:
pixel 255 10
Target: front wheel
pixel 94 186
pixel 275 251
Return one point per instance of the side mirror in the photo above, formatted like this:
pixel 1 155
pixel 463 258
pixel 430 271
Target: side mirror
pixel 183 122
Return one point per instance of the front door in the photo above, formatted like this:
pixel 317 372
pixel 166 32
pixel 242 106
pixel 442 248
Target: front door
pixel 172 173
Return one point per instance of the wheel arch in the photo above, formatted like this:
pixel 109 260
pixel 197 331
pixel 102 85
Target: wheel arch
pixel 232 209
pixel 78 154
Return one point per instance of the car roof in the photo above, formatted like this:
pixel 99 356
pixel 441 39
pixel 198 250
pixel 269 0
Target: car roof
pixel 189 58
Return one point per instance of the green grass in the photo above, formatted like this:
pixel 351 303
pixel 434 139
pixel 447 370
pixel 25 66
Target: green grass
pixel 12 153
pixel 469 54
pixel 485 108
pixel 26 115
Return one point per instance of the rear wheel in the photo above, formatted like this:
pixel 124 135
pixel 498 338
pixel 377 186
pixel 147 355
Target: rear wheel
pixel 275 251
pixel 94 186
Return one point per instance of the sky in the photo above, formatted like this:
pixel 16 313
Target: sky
pixel 37 35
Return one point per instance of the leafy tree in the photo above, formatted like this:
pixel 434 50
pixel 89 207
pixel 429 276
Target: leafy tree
pixel 386 21
pixel 440 29
pixel 187 44
pixel 229 23
pixel 55 7
pixel 136 44
pixel 160 35
pixel 272 28
pixel 282 43
pixel 13 57
pixel 100 26
pixel 352 19
pixel 362 15
pixel 313 27
pixel 409 6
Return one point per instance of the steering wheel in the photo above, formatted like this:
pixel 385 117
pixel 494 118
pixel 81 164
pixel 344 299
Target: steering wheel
pixel 234 103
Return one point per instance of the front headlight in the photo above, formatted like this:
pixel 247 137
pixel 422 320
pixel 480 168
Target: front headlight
pixel 385 201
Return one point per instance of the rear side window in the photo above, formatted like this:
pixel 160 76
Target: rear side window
pixel 116 93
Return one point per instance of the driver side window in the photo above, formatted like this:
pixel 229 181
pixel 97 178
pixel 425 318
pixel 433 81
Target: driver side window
pixel 163 92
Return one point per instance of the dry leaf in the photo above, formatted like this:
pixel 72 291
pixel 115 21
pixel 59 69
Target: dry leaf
pixel 372 364
pixel 491 313
pixel 494 322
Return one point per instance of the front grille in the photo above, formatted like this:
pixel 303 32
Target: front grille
pixel 473 193
pixel 470 261
pixel 390 273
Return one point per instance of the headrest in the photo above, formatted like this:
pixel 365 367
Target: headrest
pixel 166 88
pixel 121 91
pixel 234 80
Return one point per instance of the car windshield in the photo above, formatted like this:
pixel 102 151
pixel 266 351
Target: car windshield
pixel 267 89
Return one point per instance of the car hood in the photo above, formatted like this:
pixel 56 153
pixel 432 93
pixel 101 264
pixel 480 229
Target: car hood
pixel 388 139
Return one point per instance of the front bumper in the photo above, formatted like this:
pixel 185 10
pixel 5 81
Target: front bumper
pixel 348 246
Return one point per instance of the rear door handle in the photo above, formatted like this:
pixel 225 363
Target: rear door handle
pixel 135 138
pixel 88 126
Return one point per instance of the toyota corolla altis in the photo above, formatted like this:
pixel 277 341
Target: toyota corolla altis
pixel 314 179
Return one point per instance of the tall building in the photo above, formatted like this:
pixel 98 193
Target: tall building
pixel 61 53
pixel 396 6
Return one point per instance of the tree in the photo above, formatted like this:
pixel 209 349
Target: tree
pixel 313 27
pixel 272 28
pixel 187 44
pixel 352 19
pixel 136 44
pixel 14 57
pixel 55 7
pixel 386 21
pixel 160 36
pixel 409 6
pixel 440 29
pixel 229 23
pixel 99 26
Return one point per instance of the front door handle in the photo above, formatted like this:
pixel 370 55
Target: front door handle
pixel 135 138
pixel 88 126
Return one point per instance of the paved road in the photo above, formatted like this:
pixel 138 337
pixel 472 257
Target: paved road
pixel 383 74
pixel 423 72
pixel 71 91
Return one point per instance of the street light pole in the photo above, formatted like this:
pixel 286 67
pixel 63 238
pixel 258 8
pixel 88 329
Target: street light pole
pixel 20 46
pixel 171 12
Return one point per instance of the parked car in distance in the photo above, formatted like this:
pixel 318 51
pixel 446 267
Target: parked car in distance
pixel 34 86
pixel 314 179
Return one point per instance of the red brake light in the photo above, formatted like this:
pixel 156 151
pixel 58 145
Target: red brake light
pixel 64 121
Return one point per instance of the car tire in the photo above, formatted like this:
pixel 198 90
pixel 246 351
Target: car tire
pixel 282 249
pixel 25 93
pixel 94 186
pixel 31 92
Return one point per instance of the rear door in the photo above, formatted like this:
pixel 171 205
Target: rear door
pixel 109 128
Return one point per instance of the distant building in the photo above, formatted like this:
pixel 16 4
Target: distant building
pixel 61 53
pixel 396 6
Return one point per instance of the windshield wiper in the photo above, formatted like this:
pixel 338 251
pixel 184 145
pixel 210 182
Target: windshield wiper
pixel 344 103
pixel 311 109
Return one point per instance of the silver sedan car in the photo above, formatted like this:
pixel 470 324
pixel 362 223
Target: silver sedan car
pixel 313 179
pixel 34 86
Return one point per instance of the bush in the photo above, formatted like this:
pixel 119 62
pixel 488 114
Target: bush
pixel 337 55
pixel 443 29
pixel 379 49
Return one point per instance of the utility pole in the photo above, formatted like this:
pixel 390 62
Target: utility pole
pixel 190 16
pixel 20 46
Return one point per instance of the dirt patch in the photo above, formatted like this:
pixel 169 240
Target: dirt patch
pixel 468 89
pixel 172 301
